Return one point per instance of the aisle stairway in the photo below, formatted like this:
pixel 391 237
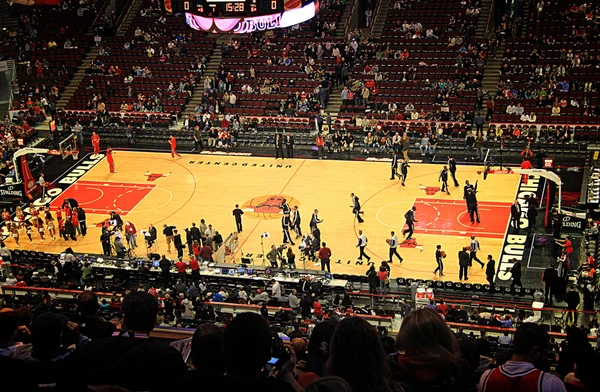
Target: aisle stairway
pixel 380 18
pixel 77 78
pixel 482 23
pixel 339 32
pixel 73 84
pixel 133 10
pixel 211 67
pixel 7 22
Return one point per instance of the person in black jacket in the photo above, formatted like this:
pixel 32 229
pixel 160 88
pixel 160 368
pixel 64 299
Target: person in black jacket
pixel 515 215
pixel 394 166
pixel 289 145
pixel 305 305
pixel 195 233
pixel 237 213
pixel 177 243
pixel 516 273
pixel 452 168
pixel 81 219
pixel 90 324
pixel 356 207
pixel 372 279
pixel 550 278
pixel 102 361
pixel 444 180
pixel 189 240
pixel 278 146
pixel 573 298
pixel 165 267
pixel 490 270
pixel 463 263
pixel 151 236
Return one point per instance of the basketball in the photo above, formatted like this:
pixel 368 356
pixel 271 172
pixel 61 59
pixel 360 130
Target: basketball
pixel 387 241
pixel 479 171
pixel 443 255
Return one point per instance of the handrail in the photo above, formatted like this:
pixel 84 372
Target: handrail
pixel 476 327
pixel 375 16
pixel 489 18
pixel 49 290
pixel 538 125
pixel 348 20
pixel 101 13
pixel 123 15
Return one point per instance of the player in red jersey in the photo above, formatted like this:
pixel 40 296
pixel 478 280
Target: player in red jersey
pixel 526 164
pixel 110 160
pixel 173 144
pixel 96 143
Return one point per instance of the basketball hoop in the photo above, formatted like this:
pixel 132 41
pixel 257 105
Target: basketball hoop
pixel 69 147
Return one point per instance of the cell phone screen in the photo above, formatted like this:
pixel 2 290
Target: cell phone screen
pixel 272 361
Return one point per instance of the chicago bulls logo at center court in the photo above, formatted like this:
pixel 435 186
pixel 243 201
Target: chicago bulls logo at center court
pixel 268 206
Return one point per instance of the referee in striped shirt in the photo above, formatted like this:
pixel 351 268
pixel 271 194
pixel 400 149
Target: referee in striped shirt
pixel 474 247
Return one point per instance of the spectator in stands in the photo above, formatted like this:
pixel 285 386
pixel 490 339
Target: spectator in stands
pixel 10 347
pixel 246 350
pixel 319 348
pixel 505 339
pixel 573 299
pixel 361 362
pixel 531 343
pixel 260 298
pixel 97 364
pixel 207 357
pixel 575 342
pixel 90 324
pixel 431 358
pixel 584 377
pixel 49 355
pixel 294 302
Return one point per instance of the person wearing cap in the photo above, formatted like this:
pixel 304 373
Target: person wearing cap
pixel 129 359
pixel 318 352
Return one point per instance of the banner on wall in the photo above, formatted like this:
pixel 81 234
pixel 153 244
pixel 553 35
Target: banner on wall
pixel 28 180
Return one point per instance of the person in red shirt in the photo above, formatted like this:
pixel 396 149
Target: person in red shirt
pixel 181 267
pixel 442 308
pixel 526 164
pixel 383 276
pixel 590 260
pixel 566 243
pixel 196 250
pixel 96 143
pixel 206 253
pixel 75 221
pixel 195 267
pixel 110 160
pixel 173 144
pixel 317 308
pixel 325 257
pixel 320 143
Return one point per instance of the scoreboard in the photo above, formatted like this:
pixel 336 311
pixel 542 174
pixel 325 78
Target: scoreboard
pixel 242 16
pixel 236 8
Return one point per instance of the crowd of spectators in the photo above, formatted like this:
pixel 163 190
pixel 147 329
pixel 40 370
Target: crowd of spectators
pixel 69 344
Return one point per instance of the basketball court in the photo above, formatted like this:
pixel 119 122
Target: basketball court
pixel 154 188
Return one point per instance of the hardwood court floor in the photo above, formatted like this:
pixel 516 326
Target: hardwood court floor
pixel 153 188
